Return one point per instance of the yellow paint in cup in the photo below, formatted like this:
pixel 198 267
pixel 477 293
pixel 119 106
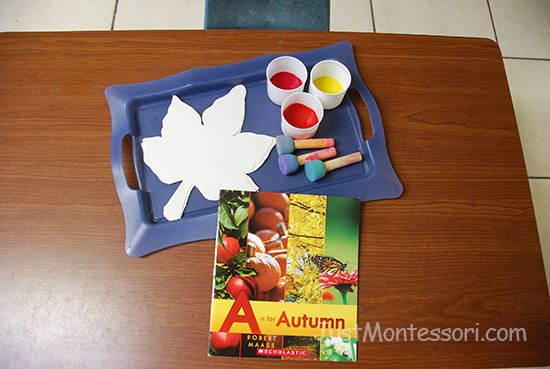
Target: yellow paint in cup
pixel 328 85
pixel 329 81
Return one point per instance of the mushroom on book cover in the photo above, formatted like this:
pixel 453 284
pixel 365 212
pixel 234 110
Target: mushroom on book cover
pixel 285 277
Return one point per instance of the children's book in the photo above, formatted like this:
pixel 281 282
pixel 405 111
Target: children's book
pixel 285 277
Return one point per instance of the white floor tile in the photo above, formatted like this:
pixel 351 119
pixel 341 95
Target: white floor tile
pixel 160 14
pixel 529 81
pixel 350 16
pixel 56 15
pixel 540 190
pixel 522 27
pixel 434 17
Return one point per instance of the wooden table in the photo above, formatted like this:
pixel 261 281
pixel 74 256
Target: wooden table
pixel 459 248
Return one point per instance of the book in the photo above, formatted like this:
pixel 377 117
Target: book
pixel 285 277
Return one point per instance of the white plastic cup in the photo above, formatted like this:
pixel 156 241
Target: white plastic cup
pixel 336 70
pixel 284 64
pixel 309 101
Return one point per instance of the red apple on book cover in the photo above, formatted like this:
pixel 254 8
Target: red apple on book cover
pixel 224 343
pixel 225 252
pixel 239 283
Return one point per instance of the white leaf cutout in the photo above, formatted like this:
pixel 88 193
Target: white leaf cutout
pixel 210 155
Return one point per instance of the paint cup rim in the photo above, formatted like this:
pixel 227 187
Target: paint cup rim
pixel 296 132
pixel 277 94
pixel 330 100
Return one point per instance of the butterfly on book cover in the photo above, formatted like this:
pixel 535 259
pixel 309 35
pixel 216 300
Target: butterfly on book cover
pixel 328 263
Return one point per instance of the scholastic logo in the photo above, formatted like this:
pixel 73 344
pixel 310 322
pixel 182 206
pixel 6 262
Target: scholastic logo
pixel 285 352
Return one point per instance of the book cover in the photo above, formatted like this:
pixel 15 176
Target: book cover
pixel 285 277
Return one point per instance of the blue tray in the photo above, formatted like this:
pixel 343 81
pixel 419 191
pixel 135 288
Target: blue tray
pixel 138 110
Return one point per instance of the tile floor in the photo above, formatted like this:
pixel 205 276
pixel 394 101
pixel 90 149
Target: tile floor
pixel 521 28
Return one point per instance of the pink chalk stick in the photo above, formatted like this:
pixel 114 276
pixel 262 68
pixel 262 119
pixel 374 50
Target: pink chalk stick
pixel 317 155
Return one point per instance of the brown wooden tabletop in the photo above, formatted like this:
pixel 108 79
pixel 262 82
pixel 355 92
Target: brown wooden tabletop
pixel 459 248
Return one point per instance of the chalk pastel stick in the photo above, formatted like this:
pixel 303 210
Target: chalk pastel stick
pixel 286 144
pixel 289 163
pixel 317 169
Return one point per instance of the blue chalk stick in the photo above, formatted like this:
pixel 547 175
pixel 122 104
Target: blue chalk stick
pixel 285 144
pixel 288 164
pixel 315 170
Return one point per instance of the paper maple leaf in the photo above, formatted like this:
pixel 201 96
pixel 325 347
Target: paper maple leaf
pixel 211 154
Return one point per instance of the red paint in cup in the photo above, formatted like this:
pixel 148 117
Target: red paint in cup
pixel 286 81
pixel 300 116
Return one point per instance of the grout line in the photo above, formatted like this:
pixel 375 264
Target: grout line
pixel 114 16
pixel 328 19
pixel 524 58
pixel 538 177
pixel 372 15
pixel 493 22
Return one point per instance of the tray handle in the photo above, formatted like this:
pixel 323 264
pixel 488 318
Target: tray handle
pixel 117 165
pixel 133 201
pixel 384 175
pixel 118 106
pixel 375 118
